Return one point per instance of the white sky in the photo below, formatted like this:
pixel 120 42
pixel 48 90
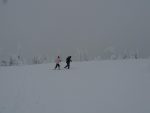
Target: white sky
pixel 47 27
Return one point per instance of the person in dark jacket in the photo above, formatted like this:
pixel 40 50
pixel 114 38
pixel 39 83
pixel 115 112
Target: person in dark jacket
pixel 68 60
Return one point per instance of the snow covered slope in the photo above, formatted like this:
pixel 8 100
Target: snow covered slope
pixel 88 87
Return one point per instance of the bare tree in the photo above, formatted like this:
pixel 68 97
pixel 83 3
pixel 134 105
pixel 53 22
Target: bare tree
pixel 36 60
pixel 110 53
pixel 12 61
pixel 3 63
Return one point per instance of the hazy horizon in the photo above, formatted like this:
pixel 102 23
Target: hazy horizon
pixel 52 27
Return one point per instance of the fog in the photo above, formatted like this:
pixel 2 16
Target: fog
pixel 61 27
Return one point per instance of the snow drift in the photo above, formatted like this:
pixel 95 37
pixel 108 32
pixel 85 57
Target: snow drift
pixel 88 87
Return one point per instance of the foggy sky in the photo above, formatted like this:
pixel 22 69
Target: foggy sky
pixel 51 27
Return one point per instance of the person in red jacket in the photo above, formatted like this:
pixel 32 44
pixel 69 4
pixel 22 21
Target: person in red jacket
pixel 57 61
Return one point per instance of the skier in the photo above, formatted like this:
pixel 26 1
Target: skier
pixel 57 61
pixel 68 60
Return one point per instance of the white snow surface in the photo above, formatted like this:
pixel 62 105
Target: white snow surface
pixel 121 86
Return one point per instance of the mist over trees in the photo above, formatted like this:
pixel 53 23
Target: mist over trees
pixel 22 25
pixel 110 53
pixel 4 1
